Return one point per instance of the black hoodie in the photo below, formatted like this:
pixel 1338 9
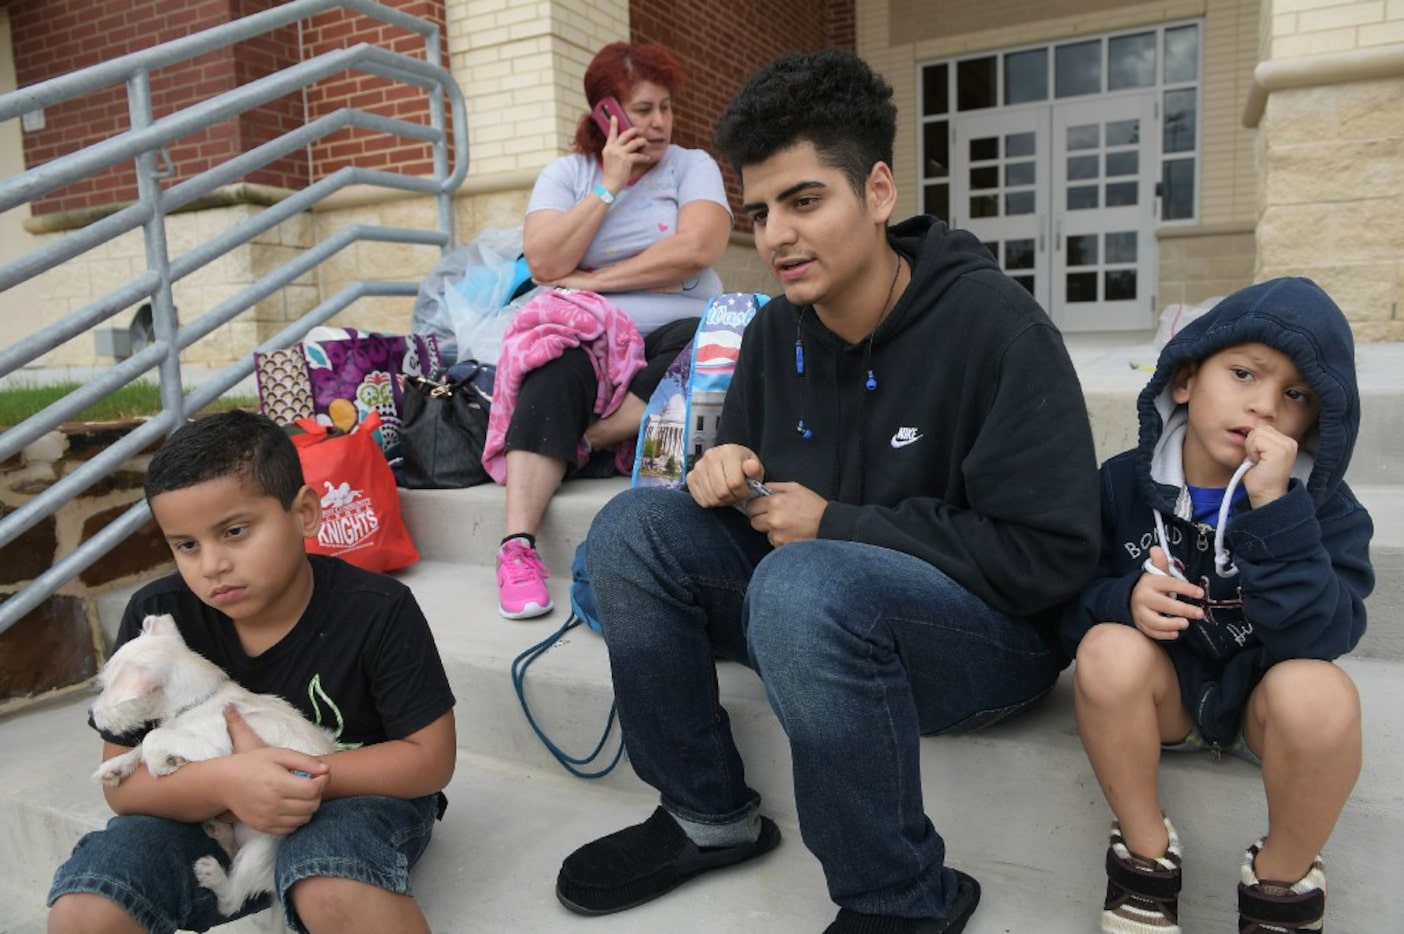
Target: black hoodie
pixel 972 453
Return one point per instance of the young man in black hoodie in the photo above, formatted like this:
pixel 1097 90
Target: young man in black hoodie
pixel 932 496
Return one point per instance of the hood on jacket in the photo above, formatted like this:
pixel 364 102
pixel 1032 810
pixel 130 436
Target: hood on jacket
pixel 957 253
pixel 1293 316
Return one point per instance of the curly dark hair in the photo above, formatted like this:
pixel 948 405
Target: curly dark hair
pixel 831 99
pixel 245 445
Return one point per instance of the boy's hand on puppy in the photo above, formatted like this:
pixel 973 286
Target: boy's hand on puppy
pixel 1154 609
pixel 270 789
pixel 1273 455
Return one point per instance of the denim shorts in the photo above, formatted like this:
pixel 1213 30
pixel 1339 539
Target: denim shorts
pixel 145 864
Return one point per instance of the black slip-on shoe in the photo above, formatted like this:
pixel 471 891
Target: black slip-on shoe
pixel 640 863
pixel 967 898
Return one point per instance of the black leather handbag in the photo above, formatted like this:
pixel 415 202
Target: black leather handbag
pixel 443 429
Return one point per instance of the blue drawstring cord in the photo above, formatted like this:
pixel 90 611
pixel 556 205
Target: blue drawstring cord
pixel 570 763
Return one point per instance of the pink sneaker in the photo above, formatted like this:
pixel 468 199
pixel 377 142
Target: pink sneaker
pixel 521 581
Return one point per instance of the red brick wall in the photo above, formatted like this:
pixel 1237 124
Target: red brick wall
pixel 338 29
pixel 719 61
pixel 54 37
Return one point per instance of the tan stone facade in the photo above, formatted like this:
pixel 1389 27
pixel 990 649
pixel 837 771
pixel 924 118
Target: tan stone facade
pixel 1329 112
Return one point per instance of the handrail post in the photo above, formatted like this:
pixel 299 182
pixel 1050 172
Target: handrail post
pixel 433 54
pixel 158 260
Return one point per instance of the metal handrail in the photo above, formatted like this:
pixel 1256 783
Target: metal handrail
pixel 144 144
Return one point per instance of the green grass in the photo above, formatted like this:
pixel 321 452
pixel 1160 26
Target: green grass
pixel 135 399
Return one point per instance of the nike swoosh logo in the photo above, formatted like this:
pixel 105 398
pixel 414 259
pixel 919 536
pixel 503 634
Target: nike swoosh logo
pixel 903 442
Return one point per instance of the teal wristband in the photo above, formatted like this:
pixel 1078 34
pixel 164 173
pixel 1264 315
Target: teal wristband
pixel 604 194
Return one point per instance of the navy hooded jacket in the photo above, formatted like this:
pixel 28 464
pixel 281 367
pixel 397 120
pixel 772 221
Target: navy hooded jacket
pixel 1303 561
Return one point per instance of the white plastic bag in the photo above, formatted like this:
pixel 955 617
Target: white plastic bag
pixel 467 290
pixel 1174 317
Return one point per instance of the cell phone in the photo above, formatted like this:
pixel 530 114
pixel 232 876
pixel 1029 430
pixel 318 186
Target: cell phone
pixel 607 107
pixel 757 488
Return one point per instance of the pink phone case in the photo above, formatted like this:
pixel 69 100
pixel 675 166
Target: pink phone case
pixel 602 112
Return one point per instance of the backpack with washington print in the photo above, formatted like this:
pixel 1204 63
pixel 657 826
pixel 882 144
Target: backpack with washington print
pixel 681 417
pixel 678 424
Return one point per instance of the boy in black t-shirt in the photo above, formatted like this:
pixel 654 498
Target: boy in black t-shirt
pixel 349 648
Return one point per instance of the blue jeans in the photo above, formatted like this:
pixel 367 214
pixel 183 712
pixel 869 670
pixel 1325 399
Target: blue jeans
pixel 145 864
pixel 861 650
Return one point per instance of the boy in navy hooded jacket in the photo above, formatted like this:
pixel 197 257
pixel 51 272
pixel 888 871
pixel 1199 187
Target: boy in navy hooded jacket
pixel 1234 568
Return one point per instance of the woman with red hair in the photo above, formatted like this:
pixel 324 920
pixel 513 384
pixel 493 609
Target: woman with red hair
pixel 639 221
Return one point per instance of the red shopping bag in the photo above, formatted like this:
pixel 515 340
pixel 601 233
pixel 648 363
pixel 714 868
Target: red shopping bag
pixel 360 505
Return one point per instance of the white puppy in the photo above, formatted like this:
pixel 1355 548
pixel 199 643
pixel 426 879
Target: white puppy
pixel 157 678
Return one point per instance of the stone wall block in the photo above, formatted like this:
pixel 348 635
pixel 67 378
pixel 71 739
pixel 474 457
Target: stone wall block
pixel 92 438
pixel 46 449
pixel 122 481
pixel 1332 172
pixel 1302 116
pixel 31 554
pixel 49 648
pixel 144 551
pixel 1371 110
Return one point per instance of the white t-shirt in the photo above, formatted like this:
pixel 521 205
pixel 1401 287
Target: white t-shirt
pixel 642 214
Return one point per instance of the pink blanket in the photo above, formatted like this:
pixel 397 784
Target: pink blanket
pixel 541 331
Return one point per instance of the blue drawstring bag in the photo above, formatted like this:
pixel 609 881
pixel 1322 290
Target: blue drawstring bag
pixel 582 610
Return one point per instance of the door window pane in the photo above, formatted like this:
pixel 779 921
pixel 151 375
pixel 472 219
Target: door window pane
pixel 1078 68
pixel 1182 54
pixel 1082 250
pixel 1019 254
pixel 936 140
pixel 984 206
pixel 1082 286
pixel 1121 194
pixel 1019 144
pixel 1180 120
pixel 986 177
pixel 935 90
pixel 1027 282
pixel 1123 163
pixel 982 150
pixel 1131 62
pixel 1082 198
pixel 1121 247
pixel 1020 173
pixel 1087 136
pixel 1177 190
pixel 1019 202
pixel 975 83
pixel 937 202
pixel 1080 167
pixel 1120 285
pixel 1026 76
pixel 1124 133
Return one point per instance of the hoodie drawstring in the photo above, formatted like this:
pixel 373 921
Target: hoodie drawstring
pixel 1223 563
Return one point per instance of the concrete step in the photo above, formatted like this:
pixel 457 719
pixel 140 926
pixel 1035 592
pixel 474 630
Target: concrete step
pixel 1017 804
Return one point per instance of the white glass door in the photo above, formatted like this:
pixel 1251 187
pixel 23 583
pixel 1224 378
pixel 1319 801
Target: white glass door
pixel 1000 171
pixel 1106 154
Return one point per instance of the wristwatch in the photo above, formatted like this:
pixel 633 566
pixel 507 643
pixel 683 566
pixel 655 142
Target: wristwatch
pixel 604 194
